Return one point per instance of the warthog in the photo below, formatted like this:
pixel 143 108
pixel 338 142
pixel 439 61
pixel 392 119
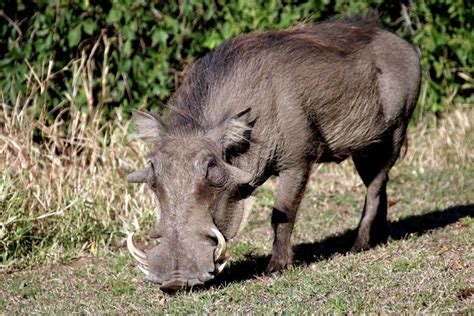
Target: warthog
pixel 264 104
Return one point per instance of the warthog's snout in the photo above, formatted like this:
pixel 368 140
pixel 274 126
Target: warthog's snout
pixel 178 280
pixel 162 270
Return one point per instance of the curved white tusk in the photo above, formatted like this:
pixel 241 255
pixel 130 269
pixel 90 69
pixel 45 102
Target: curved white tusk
pixel 137 254
pixel 143 269
pixel 221 267
pixel 220 244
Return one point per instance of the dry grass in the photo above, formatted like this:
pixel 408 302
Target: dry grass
pixel 62 192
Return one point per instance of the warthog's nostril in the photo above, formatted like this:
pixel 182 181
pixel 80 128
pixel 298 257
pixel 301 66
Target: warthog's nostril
pixel 174 285
pixel 178 281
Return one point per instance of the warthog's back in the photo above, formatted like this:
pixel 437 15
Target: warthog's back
pixel 318 90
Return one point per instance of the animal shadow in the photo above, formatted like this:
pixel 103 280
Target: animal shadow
pixel 254 266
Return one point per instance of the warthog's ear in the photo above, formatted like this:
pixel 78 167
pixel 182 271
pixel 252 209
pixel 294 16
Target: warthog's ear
pixel 149 126
pixel 234 134
pixel 139 176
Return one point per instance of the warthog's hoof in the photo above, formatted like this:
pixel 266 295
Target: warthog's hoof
pixel 277 266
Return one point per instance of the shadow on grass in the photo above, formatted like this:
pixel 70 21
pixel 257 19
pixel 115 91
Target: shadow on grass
pixel 254 266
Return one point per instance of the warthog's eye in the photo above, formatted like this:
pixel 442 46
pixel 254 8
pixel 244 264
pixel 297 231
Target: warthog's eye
pixel 211 163
pixel 215 173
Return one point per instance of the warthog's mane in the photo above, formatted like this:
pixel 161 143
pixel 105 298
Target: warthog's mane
pixel 340 37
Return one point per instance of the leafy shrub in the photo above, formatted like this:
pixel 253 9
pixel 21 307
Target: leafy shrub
pixel 443 31
pixel 149 44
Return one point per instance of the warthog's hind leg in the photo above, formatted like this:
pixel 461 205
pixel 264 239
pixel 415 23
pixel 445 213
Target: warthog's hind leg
pixel 373 167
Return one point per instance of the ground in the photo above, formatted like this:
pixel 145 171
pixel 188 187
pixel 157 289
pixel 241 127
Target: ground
pixel 426 266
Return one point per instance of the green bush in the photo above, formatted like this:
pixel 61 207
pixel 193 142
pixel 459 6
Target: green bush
pixel 151 44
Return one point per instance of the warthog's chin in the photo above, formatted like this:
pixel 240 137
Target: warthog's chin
pixel 177 280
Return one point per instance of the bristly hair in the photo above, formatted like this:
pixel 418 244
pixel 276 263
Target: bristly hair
pixel 370 17
pixel 352 33
pixel 191 96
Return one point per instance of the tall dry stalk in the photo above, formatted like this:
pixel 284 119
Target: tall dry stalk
pixel 62 190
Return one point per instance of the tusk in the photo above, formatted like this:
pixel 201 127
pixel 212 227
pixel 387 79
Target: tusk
pixel 137 254
pixel 143 269
pixel 220 244
pixel 248 204
pixel 221 267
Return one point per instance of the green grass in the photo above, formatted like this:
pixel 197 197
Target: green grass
pixel 427 266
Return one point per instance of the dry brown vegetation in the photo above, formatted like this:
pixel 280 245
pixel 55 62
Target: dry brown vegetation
pixel 62 185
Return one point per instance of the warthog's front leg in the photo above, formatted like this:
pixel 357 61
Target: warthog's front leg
pixel 291 186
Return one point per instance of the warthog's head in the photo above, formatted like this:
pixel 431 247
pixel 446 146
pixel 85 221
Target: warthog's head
pixel 200 197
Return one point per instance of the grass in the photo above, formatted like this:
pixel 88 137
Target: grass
pixel 421 272
pixel 62 192
pixel 66 209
